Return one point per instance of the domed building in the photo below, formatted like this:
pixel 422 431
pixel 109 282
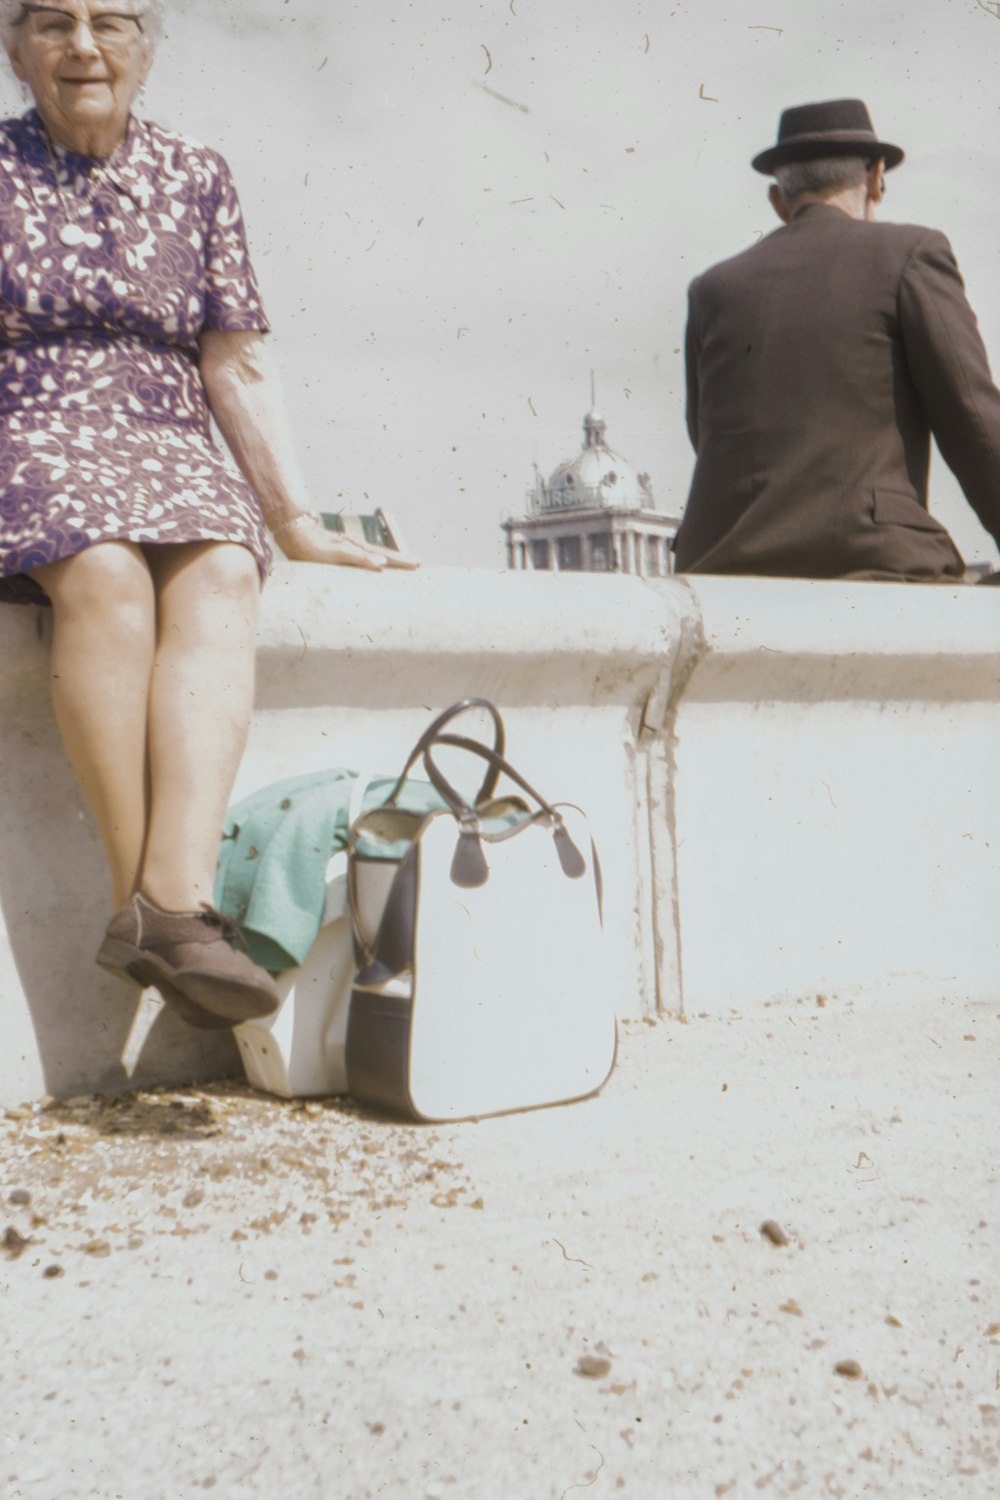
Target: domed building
pixel 596 514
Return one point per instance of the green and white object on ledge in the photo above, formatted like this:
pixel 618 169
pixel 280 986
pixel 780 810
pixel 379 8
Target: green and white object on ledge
pixel 375 528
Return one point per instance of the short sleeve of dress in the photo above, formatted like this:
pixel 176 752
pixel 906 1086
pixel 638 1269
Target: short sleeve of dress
pixel 233 303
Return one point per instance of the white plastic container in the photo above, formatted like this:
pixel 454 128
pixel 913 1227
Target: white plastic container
pixel 299 1052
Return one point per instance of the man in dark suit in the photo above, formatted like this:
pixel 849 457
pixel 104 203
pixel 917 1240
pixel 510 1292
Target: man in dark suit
pixel 819 363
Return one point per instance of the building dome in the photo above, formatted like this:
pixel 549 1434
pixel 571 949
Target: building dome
pixel 597 478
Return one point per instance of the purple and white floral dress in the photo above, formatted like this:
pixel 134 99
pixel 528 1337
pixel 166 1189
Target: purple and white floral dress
pixel 104 431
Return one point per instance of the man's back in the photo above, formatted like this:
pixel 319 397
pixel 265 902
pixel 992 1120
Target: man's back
pixel 818 363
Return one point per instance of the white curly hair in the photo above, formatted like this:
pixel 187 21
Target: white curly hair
pixel 150 12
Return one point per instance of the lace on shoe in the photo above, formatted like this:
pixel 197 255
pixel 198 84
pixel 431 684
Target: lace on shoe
pixel 228 926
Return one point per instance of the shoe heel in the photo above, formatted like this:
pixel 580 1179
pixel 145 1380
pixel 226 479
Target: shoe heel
pixel 116 956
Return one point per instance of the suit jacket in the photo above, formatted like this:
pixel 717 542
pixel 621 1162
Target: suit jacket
pixel 819 362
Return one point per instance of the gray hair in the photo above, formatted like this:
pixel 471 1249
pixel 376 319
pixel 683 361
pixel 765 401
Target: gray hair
pixel 823 175
pixel 151 12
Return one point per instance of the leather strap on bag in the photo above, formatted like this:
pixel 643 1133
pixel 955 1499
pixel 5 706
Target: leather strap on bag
pixel 433 733
pixel 469 867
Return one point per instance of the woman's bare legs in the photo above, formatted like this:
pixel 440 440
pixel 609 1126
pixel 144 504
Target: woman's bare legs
pixel 152 682
pixel 102 654
pixel 200 699
pixel 153 668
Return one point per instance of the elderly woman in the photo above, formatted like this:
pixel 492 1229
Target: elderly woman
pixel 128 312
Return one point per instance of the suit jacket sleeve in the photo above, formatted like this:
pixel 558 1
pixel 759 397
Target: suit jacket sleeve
pixel 691 367
pixel 951 372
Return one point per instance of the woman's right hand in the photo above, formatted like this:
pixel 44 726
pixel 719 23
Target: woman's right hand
pixel 306 539
pixel 245 398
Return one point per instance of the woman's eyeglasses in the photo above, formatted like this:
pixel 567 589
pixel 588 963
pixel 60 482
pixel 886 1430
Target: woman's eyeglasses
pixel 112 29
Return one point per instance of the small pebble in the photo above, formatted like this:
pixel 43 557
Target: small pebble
pixel 773 1231
pixel 14 1243
pixel 592 1366
pixel 791 1306
pixel 194 1197
pixel 21 1197
pixel 849 1368
pixel 893 1321
pixel 98 1248
pixel 51 1272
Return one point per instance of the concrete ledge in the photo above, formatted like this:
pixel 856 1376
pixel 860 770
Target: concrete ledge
pixel 785 640
pixel 792 785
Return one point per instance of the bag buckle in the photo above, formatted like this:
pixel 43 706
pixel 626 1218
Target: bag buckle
pixel 468 865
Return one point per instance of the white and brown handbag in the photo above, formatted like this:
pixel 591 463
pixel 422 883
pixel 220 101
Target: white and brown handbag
pixel 481 983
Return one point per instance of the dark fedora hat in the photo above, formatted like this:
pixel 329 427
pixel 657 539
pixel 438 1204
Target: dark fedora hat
pixel 837 127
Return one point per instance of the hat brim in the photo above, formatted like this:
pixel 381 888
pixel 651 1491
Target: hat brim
pixel 804 149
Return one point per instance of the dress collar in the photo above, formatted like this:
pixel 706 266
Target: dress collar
pixel 126 168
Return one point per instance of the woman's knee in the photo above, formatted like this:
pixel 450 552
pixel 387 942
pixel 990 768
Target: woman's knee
pixel 228 569
pixel 213 588
pixel 109 580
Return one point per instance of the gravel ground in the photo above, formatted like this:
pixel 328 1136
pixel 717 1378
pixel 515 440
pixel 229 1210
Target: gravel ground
pixel 212 1290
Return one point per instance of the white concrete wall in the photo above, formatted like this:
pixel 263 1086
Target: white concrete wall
pixel 793 785
pixel 837 792
pixel 351 669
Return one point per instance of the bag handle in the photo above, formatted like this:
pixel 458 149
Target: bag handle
pixel 454 799
pixel 432 735
pixel 469 867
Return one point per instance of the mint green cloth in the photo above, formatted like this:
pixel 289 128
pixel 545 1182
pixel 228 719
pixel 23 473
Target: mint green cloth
pixel 275 847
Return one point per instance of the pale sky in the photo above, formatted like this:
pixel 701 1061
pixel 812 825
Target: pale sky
pixel 459 208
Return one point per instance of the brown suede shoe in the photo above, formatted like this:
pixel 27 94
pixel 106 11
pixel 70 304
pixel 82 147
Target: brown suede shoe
pixel 189 956
pixel 188 1011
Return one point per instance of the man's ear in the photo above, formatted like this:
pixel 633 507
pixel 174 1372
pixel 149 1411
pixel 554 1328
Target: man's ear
pixel 874 187
pixel 777 201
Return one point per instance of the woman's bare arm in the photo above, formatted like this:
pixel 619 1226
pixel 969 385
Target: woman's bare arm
pixel 246 398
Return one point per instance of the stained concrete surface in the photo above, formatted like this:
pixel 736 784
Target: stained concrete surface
pixel 252 1298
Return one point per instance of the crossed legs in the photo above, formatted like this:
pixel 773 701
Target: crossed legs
pixel 152 681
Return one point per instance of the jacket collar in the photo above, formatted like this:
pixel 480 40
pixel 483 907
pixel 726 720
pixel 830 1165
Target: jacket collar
pixel 818 211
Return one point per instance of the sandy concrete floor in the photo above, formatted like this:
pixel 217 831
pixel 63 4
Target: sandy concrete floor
pixel 215 1291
